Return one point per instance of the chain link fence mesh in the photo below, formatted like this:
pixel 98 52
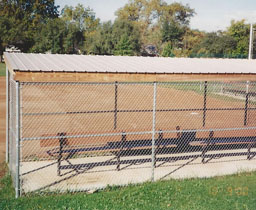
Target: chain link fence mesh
pixel 83 136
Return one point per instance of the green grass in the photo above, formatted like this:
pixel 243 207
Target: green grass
pixel 212 90
pixel 228 192
pixel 2 69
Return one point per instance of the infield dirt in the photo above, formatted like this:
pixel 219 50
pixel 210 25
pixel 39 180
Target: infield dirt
pixel 49 109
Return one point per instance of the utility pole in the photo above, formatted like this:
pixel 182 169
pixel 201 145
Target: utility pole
pixel 251 43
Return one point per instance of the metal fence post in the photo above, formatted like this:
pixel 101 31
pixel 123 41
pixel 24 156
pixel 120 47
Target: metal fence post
pixel 246 103
pixel 205 97
pixel 17 174
pixel 246 108
pixel 247 86
pixel 153 132
pixel 7 117
pixel 115 110
pixel 11 127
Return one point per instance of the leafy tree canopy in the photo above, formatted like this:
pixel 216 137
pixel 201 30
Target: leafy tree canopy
pixel 158 21
pixel 83 18
pixel 21 18
pixel 142 27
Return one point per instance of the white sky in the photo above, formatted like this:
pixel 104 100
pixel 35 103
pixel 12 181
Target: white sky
pixel 212 15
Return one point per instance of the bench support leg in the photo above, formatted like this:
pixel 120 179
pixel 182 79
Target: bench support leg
pixel 249 151
pixel 119 153
pixel 158 143
pixel 251 145
pixel 118 161
pixel 205 148
pixel 203 153
pixel 61 142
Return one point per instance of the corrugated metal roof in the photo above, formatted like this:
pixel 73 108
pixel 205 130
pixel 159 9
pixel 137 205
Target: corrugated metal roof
pixel 125 64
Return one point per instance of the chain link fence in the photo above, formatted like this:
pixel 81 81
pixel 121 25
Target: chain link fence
pixel 13 133
pixel 86 136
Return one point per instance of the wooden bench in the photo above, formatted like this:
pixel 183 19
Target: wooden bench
pixel 117 148
pixel 225 141
pixel 184 142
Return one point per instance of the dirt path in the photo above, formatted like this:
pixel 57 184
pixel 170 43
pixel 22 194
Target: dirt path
pixel 2 119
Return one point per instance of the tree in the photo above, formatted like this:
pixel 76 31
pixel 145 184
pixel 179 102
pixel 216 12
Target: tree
pixel 123 46
pixel 120 38
pixel 240 32
pixel 178 13
pixel 233 42
pixel 21 19
pixel 73 40
pixel 82 24
pixel 158 21
pixel 83 18
pixel 167 50
pixel 134 10
pixel 5 27
pixel 101 43
pixel 215 45
pixel 152 11
pixel 191 39
pixel 51 37
pixel 172 32
pixel 126 33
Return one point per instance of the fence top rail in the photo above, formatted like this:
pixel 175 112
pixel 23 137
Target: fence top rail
pixel 136 133
pixel 133 110
pixel 138 83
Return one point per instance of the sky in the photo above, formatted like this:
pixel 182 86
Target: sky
pixel 211 15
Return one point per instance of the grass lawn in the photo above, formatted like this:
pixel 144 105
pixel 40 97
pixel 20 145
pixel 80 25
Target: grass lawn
pixel 2 69
pixel 229 192
pixel 213 89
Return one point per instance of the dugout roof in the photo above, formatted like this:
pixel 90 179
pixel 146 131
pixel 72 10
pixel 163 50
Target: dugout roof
pixel 85 68
pixel 126 64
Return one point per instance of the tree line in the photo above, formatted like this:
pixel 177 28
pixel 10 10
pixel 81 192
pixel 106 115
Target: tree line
pixel 141 27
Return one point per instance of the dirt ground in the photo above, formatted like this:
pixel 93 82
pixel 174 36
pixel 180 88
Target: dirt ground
pixel 2 120
pixel 61 108
pixel 68 102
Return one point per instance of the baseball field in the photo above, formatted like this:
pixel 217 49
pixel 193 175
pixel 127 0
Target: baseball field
pixel 81 109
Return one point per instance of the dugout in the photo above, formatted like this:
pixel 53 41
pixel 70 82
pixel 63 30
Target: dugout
pixel 73 68
pixel 62 101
